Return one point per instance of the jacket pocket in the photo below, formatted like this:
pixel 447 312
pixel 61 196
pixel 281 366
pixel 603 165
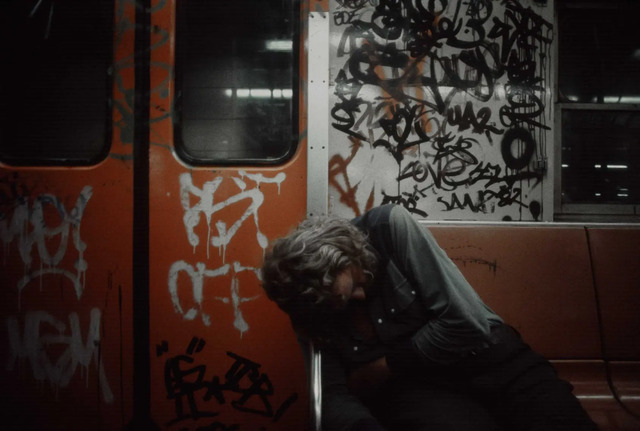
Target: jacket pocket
pixel 402 294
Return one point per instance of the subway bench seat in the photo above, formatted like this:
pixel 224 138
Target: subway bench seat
pixel 573 292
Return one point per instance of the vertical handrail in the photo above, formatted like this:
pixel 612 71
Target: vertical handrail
pixel 315 386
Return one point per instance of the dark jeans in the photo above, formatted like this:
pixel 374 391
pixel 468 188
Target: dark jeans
pixel 506 386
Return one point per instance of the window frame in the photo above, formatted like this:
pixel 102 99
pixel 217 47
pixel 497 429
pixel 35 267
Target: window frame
pixel 181 149
pixel 583 212
pixel 55 159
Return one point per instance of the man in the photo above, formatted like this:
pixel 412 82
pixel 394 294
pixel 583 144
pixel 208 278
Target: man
pixel 407 343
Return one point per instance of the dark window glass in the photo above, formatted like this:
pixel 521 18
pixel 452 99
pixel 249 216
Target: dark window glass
pixel 54 81
pixel 599 51
pixel 600 156
pixel 236 88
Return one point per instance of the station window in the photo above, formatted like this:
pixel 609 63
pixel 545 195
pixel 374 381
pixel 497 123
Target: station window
pixel 54 81
pixel 599 110
pixel 236 81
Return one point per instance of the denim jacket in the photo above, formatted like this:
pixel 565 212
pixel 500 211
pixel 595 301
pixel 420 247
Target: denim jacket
pixel 424 312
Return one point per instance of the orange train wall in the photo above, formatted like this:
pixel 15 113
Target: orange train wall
pixel 66 275
pixel 222 355
pixel 68 322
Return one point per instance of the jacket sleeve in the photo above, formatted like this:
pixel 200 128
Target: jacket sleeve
pixel 458 319
pixel 341 410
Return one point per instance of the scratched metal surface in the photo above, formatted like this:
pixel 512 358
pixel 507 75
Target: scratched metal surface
pixel 443 107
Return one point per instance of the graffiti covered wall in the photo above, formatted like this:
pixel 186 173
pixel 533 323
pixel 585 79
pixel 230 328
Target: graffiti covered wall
pixel 66 318
pixel 443 107
pixel 218 378
pixel 216 340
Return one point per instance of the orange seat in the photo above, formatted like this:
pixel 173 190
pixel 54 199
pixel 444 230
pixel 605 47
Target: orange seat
pixel 574 294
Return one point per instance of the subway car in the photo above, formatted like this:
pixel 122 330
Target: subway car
pixel 152 150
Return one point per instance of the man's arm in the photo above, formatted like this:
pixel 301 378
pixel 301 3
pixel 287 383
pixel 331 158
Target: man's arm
pixel 461 321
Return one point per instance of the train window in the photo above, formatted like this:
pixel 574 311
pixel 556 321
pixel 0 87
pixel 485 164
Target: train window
pixel 599 53
pixel 601 156
pixel 598 110
pixel 236 81
pixel 55 83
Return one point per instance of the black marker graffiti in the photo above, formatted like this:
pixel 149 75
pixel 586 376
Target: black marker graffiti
pixel 186 384
pixel 468 118
pixel 398 129
pixel 445 71
pixel 407 200
pixel 517 135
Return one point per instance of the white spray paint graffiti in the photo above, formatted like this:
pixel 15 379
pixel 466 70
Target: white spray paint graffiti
pixel 208 206
pixel 33 346
pixel 239 322
pixel 197 277
pixel 41 233
pixel 32 226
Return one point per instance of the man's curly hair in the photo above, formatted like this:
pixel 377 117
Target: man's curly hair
pixel 300 269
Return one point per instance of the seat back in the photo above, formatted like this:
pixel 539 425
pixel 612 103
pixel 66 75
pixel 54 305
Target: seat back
pixel 538 279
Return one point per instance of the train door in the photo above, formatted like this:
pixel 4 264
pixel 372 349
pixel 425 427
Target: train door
pixel 227 175
pixel 134 222
pixel 66 134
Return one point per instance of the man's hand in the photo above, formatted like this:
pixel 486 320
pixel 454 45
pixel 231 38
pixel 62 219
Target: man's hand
pixel 367 379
